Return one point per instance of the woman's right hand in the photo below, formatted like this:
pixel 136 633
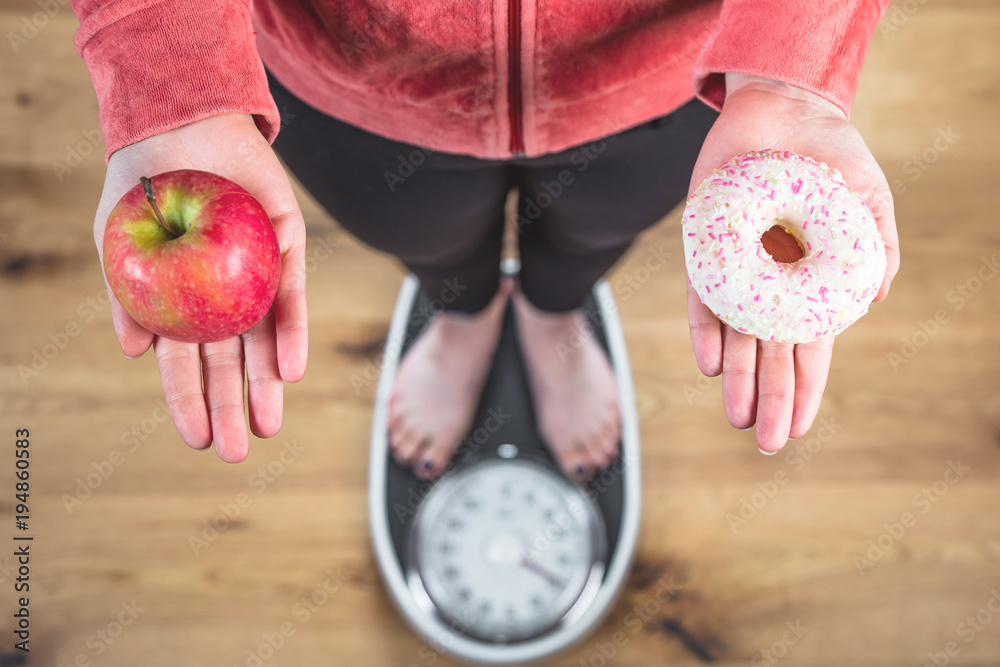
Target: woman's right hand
pixel 275 349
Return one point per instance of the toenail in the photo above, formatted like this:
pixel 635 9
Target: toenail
pixel 767 453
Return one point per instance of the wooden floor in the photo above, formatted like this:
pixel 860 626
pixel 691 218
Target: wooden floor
pixel 821 552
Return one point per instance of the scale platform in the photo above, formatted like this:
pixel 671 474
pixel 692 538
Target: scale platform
pixel 503 559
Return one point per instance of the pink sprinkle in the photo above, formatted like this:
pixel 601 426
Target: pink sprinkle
pixel 691 234
pixel 756 298
pixel 797 186
pixel 699 265
pixel 812 299
pixel 805 224
pixel 739 306
pixel 721 217
pixel 767 278
pixel 708 289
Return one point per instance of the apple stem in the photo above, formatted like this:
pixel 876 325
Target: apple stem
pixel 147 186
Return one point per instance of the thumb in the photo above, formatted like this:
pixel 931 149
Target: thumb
pixel 132 336
pixel 882 208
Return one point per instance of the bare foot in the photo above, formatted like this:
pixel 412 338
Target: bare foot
pixel 573 385
pixel 439 382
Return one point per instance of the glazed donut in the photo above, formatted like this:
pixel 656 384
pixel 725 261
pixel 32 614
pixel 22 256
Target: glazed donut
pixel 843 256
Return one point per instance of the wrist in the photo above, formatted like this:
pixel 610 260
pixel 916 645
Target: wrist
pixel 786 93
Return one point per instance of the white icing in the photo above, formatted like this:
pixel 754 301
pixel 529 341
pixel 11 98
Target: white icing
pixel 819 295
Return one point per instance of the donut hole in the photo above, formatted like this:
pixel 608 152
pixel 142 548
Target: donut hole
pixel 781 244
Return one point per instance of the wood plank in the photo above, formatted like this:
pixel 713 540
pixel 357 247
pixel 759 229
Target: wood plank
pixel 893 424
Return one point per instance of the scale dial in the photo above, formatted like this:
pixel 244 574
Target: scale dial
pixel 506 550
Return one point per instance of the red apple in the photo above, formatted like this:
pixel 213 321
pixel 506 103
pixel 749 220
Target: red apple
pixel 192 256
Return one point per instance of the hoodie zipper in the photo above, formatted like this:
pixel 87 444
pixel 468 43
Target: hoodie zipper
pixel 514 79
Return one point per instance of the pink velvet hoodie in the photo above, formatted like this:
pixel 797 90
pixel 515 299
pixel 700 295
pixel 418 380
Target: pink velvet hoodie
pixel 487 78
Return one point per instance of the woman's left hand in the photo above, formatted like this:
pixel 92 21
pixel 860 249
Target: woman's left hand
pixel 779 386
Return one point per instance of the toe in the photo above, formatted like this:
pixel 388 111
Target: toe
pixel 610 448
pixel 407 444
pixel 425 467
pixel 569 458
pixel 436 456
pixel 396 412
pixel 596 452
pixel 584 463
pixel 610 438
pixel 433 459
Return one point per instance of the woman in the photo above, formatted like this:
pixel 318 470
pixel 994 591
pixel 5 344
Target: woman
pixel 411 121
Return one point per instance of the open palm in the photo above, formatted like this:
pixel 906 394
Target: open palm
pixel 779 386
pixel 204 384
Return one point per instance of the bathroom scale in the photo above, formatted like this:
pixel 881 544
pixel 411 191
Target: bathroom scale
pixel 503 559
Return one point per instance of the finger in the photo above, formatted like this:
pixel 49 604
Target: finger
pixel 132 336
pixel 739 377
pixel 264 386
pixel 269 184
pixel 775 394
pixel 290 315
pixel 883 209
pixel 223 367
pixel 812 365
pixel 706 335
pixel 180 375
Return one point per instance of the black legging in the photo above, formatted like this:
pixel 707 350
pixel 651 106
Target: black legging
pixel 442 214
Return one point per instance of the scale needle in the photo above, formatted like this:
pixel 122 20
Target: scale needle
pixel 532 566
